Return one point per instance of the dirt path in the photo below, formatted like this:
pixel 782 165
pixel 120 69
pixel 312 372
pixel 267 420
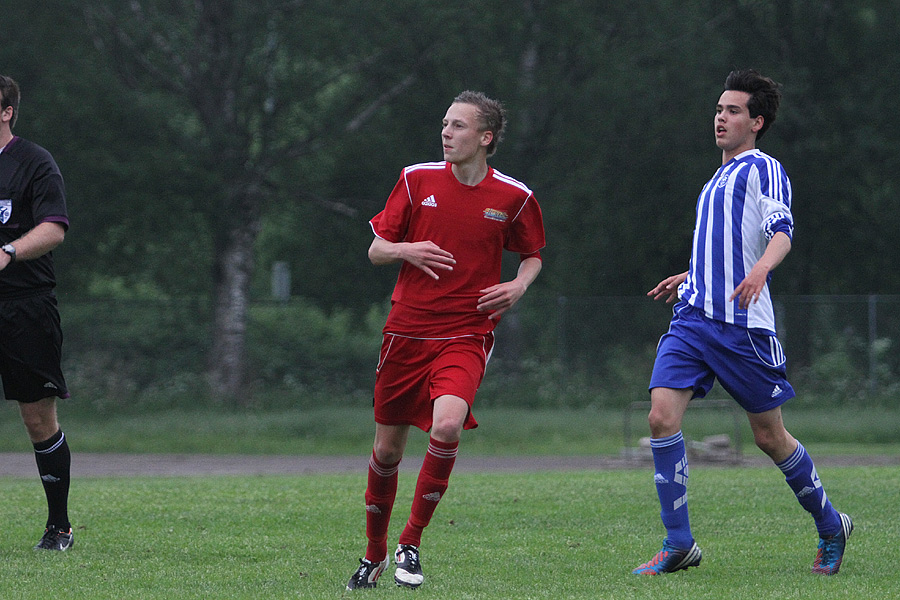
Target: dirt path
pixel 122 465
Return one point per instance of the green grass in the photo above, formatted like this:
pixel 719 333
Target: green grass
pixel 513 536
pixel 503 431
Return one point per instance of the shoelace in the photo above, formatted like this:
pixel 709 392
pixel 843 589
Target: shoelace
pixel 658 558
pixel 365 567
pixel 411 558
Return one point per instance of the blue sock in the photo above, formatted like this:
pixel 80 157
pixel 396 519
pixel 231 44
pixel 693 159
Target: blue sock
pixel 800 473
pixel 671 477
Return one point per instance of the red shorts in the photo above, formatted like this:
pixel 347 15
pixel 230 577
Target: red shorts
pixel 412 373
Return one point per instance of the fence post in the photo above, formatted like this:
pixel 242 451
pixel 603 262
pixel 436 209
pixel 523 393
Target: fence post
pixel 780 319
pixel 281 281
pixel 873 338
pixel 561 342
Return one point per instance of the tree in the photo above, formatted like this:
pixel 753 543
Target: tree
pixel 212 136
pixel 253 87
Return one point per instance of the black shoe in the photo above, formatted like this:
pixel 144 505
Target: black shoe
pixel 56 539
pixel 409 569
pixel 367 574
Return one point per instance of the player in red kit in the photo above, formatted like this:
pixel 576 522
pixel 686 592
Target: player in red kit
pixel 447 223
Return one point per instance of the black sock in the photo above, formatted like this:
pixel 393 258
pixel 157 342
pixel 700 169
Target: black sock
pixel 54 463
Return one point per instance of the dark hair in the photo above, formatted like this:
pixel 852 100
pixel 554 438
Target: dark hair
pixel 491 113
pixel 765 95
pixel 9 96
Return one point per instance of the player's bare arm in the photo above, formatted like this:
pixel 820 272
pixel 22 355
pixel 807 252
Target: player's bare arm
pixel 668 288
pixel 499 298
pixel 36 243
pixel 427 256
pixel 751 287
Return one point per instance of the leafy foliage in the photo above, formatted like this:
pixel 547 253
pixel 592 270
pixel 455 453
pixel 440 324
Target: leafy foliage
pixel 610 107
pixel 298 346
pixel 609 125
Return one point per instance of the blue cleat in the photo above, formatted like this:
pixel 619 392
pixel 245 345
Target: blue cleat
pixel 831 549
pixel 670 559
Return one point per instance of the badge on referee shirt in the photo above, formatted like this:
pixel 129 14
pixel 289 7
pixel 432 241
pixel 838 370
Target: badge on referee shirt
pixel 5 210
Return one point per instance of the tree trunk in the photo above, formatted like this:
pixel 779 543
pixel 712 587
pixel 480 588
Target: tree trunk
pixel 234 268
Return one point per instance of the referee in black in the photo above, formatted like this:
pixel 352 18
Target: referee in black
pixel 33 221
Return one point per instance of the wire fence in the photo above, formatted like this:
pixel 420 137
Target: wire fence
pixel 837 346
pixel 550 351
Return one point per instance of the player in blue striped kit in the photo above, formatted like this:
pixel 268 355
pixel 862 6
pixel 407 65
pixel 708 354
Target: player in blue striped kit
pixel 724 326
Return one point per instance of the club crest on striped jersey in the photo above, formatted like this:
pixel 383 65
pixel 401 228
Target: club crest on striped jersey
pixel 5 210
pixel 495 215
pixel 723 181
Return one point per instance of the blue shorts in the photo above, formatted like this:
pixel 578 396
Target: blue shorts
pixel 697 350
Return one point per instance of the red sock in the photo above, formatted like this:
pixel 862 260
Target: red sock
pixel 430 487
pixel 380 494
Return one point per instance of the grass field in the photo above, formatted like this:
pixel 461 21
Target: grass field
pixel 514 536
pixel 328 430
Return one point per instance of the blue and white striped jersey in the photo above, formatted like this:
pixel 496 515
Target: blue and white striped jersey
pixel 739 210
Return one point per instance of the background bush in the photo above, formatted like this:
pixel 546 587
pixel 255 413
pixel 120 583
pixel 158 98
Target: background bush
pixel 550 352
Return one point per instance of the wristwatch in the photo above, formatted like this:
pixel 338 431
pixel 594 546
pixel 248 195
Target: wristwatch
pixel 11 250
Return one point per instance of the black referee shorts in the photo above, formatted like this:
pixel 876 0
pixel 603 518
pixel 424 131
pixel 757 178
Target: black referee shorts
pixel 31 349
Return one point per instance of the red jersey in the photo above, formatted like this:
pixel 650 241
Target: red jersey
pixel 475 224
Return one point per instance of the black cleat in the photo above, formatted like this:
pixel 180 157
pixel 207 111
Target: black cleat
pixel 409 569
pixel 56 539
pixel 367 574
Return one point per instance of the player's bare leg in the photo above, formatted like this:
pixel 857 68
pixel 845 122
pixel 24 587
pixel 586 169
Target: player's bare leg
pixel 667 408
pixel 390 442
pixel 770 435
pixel 39 418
